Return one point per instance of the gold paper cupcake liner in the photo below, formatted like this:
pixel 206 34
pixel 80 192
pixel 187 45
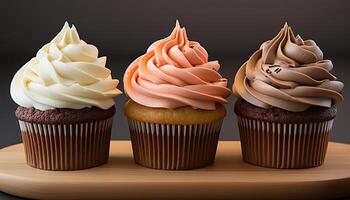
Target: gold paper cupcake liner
pixel 174 147
pixel 66 146
pixel 284 145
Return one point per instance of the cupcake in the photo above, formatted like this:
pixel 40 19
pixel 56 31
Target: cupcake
pixel 66 104
pixel 176 106
pixel 286 103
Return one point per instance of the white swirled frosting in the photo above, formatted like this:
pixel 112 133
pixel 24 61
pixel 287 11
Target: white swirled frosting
pixel 290 73
pixel 65 73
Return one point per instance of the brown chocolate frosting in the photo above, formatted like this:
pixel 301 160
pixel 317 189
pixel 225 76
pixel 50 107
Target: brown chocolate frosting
pixel 288 72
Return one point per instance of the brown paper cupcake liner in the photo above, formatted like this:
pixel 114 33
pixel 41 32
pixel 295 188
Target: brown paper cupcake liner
pixel 66 146
pixel 284 145
pixel 174 147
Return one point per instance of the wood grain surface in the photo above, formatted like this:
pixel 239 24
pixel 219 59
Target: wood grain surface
pixel 228 178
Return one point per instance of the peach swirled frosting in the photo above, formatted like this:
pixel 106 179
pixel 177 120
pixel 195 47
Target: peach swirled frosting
pixel 290 73
pixel 65 73
pixel 175 72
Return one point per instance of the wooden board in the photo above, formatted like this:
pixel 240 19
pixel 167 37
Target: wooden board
pixel 228 178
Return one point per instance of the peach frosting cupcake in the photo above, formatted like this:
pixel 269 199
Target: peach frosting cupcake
pixel 176 107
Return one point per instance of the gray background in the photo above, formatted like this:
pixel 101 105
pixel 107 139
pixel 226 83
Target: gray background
pixel 122 30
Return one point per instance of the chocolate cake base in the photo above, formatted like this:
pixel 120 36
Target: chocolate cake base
pixel 313 114
pixel 63 115
pixel 66 139
pixel 281 139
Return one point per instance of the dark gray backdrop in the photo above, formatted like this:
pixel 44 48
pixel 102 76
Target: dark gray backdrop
pixel 122 30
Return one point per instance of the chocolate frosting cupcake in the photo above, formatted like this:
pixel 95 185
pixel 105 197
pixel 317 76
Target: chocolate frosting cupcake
pixel 287 99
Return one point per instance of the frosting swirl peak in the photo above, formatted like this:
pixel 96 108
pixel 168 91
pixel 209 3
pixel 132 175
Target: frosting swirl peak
pixel 175 72
pixel 289 73
pixel 65 73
